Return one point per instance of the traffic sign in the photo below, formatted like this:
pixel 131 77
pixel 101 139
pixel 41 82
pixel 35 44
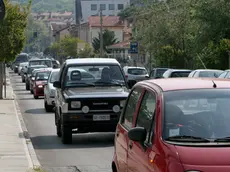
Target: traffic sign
pixel 133 48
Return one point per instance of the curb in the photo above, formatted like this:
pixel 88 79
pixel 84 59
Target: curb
pixel 29 149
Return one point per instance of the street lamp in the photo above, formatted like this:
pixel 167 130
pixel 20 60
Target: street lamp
pixel 2 10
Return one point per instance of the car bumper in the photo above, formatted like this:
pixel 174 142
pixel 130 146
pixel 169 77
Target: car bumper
pixel 39 92
pixel 86 123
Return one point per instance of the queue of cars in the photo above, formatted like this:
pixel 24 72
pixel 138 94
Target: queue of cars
pixel 161 125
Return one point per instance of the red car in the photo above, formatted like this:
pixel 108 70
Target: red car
pixel 40 81
pixel 175 125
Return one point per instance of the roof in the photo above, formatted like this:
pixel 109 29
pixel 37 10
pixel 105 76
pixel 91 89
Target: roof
pixel 94 61
pixel 171 84
pixel 55 70
pixel 201 70
pixel 133 67
pixel 125 44
pixel 179 70
pixel 108 21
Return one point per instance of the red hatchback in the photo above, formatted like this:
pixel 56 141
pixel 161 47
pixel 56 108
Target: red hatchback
pixel 40 81
pixel 175 125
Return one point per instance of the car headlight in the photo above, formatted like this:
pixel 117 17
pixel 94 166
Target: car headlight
pixel 40 86
pixel 85 109
pixel 75 104
pixel 116 108
pixel 122 103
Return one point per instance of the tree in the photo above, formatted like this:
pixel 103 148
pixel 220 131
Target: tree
pixel 86 52
pixel 12 34
pixel 108 39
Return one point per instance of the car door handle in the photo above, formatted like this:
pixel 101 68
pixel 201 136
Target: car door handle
pixel 130 145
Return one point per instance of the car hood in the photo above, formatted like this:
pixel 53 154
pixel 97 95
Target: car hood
pixel 94 92
pixel 209 159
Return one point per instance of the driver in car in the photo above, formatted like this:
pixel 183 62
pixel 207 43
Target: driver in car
pixel 105 75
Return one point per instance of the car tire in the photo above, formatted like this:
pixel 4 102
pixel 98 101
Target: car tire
pixel 66 134
pixel 32 91
pixel 35 97
pixel 23 80
pixel 27 87
pixel 48 108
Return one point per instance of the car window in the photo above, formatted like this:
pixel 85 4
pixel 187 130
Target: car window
pixel 137 71
pixel 42 76
pixel 146 114
pixel 54 76
pixel 223 75
pixel 210 74
pixel 179 74
pixel 197 113
pixel 152 73
pixel 130 108
pixel 228 75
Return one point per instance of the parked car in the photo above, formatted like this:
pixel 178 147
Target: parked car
pixel 89 104
pixel 157 73
pixel 50 91
pixel 29 73
pixel 207 73
pixel 175 73
pixel 135 73
pixel 21 66
pixel 225 74
pixel 174 125
pixel 41 78
pixel 33 76
pixel 23 57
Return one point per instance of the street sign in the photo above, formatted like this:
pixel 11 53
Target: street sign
pixel 2 10
pixel 133 48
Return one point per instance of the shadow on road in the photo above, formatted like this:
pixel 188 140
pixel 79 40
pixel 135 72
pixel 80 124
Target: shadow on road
pixel 36 111
pixel 89 140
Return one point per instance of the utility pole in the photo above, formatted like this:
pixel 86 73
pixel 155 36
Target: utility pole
pixel 101 34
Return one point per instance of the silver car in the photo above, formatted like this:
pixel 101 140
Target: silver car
pixel 135 73
pixel 21 66
pixel 50 91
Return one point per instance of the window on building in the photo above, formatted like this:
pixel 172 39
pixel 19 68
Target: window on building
pixel 102 7
pixel 93 7
pixel 120 6
pixel 111 7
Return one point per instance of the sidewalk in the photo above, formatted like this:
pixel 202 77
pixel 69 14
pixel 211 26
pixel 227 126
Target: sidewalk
pixel 15 150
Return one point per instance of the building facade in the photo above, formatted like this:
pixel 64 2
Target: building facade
pixel 108 7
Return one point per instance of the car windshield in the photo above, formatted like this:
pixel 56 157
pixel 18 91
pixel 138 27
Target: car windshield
pixel 210 74
pixel 42 76
pixel 201 113
pixel 54 76
pixel 47 63
pixel 21 58
pixel 160 72
pixel 91 75
pixel 137 71
pixel 180 74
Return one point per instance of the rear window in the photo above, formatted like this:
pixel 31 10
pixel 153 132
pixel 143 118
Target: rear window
pixel 21 58
pixel 137 71
pixel 180 74
pixel 210 74
pixel 41 76
pixel 47 63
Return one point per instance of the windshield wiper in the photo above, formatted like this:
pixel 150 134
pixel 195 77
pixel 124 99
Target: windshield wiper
pixel 224 139
pixel 109 83
pixel 185 138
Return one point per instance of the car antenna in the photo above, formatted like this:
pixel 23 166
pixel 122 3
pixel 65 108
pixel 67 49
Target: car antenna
pixel 214 84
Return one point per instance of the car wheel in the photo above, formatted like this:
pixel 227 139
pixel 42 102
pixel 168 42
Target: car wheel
pixel 35 97
pixel 27 87
pixel 32 91
pixel 48 108
pixel 66 133
pixel 23 80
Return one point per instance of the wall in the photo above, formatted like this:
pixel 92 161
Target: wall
pixel 87 11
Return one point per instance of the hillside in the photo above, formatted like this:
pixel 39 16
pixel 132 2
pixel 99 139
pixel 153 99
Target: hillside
pixel 50 5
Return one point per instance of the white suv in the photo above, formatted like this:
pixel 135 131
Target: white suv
pixel 49 91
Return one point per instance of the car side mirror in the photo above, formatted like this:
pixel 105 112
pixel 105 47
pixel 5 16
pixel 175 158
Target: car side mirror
pixel 137 134
pixel 131 83
pixel 57 84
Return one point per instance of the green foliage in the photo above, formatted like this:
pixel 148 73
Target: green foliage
pixel 181 33
pixel 50 5
pixel 86 52
pixel 66 47
pixel 12 31
pixel 108 39
pixel 43 39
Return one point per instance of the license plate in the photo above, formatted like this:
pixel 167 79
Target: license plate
pixel 101 117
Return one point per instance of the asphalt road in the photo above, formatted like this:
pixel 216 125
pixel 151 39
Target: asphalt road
pixel 92 152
